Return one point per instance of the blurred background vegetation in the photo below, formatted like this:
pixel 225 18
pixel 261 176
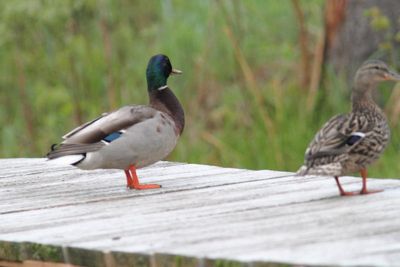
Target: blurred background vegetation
pixel 257 84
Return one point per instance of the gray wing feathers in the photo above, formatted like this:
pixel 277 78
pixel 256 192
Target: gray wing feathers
pixel 99 128
pixel 73 149
pixel 79 128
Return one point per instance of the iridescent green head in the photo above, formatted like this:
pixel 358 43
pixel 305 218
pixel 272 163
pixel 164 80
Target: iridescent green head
pixel 158 71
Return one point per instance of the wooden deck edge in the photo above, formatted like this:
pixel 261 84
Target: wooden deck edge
pixel 31 263
pixel 27 254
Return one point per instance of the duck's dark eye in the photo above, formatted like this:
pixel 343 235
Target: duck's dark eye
pixel 376 67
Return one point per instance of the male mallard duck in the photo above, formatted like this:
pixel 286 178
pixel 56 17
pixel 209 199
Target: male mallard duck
pixel 350 142
pixel 132 136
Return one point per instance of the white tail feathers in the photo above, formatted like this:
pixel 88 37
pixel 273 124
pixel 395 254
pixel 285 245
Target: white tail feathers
pixel 67 160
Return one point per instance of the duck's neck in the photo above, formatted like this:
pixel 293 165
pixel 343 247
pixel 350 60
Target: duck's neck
pixel 361 97
pixel 165 101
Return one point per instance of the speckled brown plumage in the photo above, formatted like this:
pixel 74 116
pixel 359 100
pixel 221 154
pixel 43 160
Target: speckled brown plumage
pixel 350 142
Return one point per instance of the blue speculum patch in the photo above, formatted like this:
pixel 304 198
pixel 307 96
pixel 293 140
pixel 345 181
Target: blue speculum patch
pixel 353 139
pixel 113 136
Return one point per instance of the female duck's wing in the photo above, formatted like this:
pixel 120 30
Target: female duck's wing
pixel 99 132
pixel 337 137
pixel 109 125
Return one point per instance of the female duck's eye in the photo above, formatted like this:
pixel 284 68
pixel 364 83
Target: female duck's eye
pixel 376 67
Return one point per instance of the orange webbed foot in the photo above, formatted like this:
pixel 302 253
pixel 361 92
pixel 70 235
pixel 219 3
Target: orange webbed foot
pixel 348 194
pixel 365 191
pixel 144 186
pixel 132 181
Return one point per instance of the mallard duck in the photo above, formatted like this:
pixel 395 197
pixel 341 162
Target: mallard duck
pixel 131 137
pixel 350 142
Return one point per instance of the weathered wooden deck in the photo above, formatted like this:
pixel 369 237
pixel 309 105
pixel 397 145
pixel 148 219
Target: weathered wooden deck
pixel 203 216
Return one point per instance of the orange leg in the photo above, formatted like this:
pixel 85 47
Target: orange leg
pixel 342 192
pixel 132 180
pixel 364 190
pixel 128 179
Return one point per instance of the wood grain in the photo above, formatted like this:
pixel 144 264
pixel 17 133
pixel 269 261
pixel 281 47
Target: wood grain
pixel 202 216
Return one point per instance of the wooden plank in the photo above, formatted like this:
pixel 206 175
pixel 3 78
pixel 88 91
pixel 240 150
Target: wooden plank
pixel 201 212
pixel 29 263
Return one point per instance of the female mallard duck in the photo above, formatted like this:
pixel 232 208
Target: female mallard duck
pixel 132 136
pixel 350 142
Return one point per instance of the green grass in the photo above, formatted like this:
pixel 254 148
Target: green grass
pixel 65 62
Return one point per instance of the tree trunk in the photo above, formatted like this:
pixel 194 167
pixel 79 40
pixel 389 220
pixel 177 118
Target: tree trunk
pixel 356 30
